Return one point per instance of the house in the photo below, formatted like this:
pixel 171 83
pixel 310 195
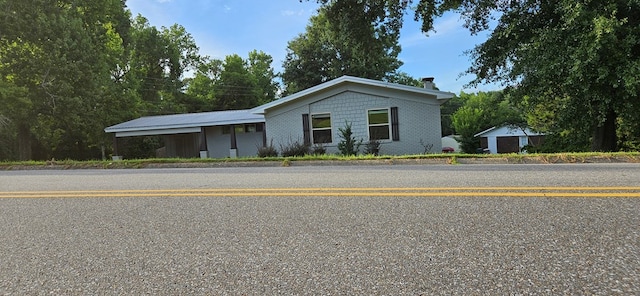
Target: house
pixel 209 134
pixel 404 119
pixel 508 139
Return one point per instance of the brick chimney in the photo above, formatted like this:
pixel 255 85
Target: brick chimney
pixel 428 82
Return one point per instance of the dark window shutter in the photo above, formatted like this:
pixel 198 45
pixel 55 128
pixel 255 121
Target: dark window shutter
pixel 305 129
pixel 395 130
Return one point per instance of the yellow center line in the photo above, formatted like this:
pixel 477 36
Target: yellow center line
pixel 330 192
pixel 319 189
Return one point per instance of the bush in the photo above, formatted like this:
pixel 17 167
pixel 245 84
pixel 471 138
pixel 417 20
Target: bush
pixel 294 149
pixel 372 147
pixel 267 151
pixel 318 149
pixel 348 145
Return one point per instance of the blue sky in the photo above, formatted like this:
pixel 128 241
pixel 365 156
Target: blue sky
pixel 224 27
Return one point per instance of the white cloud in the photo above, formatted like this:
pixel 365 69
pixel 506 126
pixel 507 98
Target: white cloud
pixel 292 12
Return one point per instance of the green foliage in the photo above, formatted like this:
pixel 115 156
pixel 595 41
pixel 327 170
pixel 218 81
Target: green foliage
pixel 357 38
pixel 446 112
pixel 479 112
pixel 405 79
pixel 348 144
pixel 372 147
pixel 267 151
pixel 62 54
pixel 318 149
pixel 68 69
pixel 262 71
pixel 294 149
pixel 235 89
pixel 575 63
pixel 232 84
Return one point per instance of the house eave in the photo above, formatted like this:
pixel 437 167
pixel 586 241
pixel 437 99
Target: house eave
pixel 440 96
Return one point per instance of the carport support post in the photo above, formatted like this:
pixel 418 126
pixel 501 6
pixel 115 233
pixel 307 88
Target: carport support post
pixel 115 155
pixel 204 151
pixel 233 152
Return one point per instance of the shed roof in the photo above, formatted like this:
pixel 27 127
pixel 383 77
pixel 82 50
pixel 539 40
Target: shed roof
pixel 439 95
pixel 182 123
pixel 506 131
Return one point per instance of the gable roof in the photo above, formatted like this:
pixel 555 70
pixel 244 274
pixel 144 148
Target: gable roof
pixel 440 95
pixel 506 130
pixel 181 123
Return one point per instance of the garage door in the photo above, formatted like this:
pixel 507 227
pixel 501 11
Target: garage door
pixel 508 145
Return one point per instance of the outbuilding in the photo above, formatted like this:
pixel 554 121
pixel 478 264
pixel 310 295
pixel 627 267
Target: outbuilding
pixel 508 139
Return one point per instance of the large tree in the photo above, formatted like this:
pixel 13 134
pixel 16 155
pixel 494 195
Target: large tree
pixel 575 61
pixel 233 83
pixel 578 62
pixel 358 38
pixel 157 65
pixel 479 112
pixel 58 54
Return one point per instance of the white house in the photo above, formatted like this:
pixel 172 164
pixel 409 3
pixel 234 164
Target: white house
pixel 404 119
pixel 508 139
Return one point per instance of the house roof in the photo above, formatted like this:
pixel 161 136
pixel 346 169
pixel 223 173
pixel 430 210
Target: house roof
pixel 182 123
pixel 506 131
pixel 440 95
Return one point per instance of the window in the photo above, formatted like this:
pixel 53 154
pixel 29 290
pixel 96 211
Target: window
pixel 250 128
pixel 321 128
pixel 241 128
pixel 378 124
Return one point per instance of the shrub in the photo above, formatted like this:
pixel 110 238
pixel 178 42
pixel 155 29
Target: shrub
pixel 318 149
pixel 372 147
pixel 267 151
pixel 348 144
pixel 294 149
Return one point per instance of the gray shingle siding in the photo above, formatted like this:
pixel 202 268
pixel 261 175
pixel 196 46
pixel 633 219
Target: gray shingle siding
pixel 286 127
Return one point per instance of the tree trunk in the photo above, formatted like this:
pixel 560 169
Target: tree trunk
pixel 24 142
pixel 604 136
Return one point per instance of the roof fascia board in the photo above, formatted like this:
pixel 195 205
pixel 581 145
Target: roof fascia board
pixel 158 132
pixel 114 129
pixel 348 81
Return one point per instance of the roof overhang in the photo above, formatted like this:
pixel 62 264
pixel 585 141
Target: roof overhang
pixel 155 132
pixel 181 123
pixel 440 96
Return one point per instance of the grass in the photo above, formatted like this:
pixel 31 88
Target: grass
pixel 454 159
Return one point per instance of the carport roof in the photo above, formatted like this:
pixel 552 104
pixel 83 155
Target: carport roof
pixel 182 123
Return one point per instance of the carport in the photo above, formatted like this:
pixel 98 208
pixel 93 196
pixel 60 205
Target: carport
pixel 216 134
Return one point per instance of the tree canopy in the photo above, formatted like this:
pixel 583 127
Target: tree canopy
pixel 482 111
pixel 68 69
pixel 574 63
pixel 358 38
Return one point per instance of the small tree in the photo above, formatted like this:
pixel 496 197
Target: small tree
pixel 348 144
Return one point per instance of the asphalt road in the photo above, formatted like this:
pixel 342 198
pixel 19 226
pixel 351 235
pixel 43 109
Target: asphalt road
pixel 392 230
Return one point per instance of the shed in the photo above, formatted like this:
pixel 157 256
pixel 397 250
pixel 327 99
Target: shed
pixel 508 139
